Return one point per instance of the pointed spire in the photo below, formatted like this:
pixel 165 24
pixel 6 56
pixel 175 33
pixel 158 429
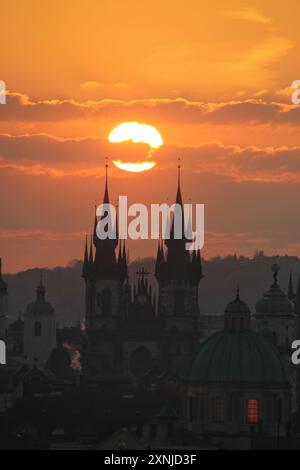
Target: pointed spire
pixel 124 262
pixel 189 226
pixel 95 238
pixel 178 196
pixel 291 294
pixel 85 260
pixel 160 259
pixel 106 196
pixel 91 257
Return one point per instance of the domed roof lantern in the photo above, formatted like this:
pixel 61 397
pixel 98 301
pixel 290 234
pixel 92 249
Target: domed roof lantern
pixel 237 355
pixel 274 301
pixel 237 314
pixel 40 307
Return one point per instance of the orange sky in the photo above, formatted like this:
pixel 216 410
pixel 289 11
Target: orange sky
pixel 214 79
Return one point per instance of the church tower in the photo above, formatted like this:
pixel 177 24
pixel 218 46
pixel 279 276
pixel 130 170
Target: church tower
pixel 178 272
pixel 107 297
pixel 3 306
pixel 39 329
pixel 104 276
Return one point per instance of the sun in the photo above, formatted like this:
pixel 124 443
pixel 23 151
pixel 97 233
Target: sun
pixel 136 132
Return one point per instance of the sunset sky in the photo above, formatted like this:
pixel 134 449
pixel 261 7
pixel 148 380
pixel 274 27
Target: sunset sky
pixel 212 77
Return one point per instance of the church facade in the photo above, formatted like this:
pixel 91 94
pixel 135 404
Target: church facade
pixel 130 329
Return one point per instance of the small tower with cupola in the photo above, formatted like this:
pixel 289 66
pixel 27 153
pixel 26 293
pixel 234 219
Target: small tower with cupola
pixel 39 329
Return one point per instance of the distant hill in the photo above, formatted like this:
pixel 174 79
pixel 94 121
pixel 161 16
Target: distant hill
pixel 65 286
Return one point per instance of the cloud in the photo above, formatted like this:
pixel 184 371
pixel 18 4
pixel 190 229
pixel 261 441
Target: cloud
pixel 45 154
pixel 122 85
pixel 91 85
pixel 248 14
pixel 35 234
pixel 20 108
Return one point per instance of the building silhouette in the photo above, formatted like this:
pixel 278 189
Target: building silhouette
pixel 229 376
pixel 128 329
pixel 237 383
pixel 39 329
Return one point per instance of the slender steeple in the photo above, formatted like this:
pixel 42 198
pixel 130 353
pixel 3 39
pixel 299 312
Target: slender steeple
pixel 237 316
pixel 106 196
pixel 178 260
pixel 122 260
pixel 105 265
pixel 85 259
pixel 91 255
pixel 178 195
pixel 160 260
pixel 95 238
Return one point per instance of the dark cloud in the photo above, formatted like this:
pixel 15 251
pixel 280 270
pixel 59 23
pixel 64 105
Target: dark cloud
pixel 20 108
pixel 47 154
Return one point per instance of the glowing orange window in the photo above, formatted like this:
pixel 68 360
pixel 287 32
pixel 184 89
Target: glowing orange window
pixel 252 411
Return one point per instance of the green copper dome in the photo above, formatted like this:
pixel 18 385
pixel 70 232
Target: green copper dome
pixel 274 301
pixel 237 356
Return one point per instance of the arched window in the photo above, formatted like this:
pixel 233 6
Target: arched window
pixel 179 301
pixel 219 410
pixel 106 302
pixel 37 329
pixel 252 411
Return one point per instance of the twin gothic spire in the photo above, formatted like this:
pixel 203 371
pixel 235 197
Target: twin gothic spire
pixel 176 263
